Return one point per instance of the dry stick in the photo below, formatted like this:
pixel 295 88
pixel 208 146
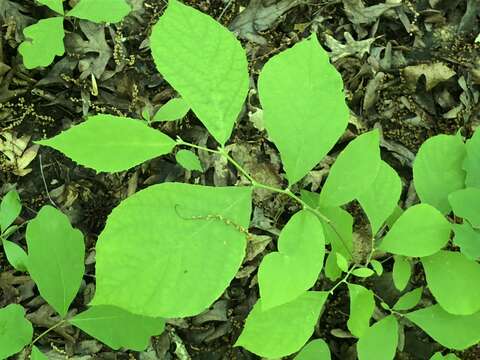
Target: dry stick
pixel 44 182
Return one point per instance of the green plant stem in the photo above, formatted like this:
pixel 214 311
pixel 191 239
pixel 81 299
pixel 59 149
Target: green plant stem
pixel 343 280
pixel 53 327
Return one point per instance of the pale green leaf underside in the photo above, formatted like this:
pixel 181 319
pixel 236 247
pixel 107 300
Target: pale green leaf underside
pixel 175 265
pixel 452 331
pixel 111 143
pixel 118 328
pixel 173 110
pixel 288 273
pixel 37 354
pixel 362 305
pixel 466 204
pixel 315 350
pixel 10 208
pixel 15 331
pixel 450 278
pixel 205 63
pixel 437 170
pixel 468 239
pixel 43 41
pixel 188 160
pixel 402 271
pixel 420 231
pixel 16 256
pixel 379 341
pixel 471 163
pixel 55 257
pixel 408 300
pixel 55 5
pixel 354 171
pixel 104 11
pixel 305 126
pixel 284 329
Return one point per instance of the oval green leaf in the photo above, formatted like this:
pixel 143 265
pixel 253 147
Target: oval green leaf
pixel 15 331
pixel 471 163
pixel 362 305
pixel 10 208
pixel 409 300
pixel 363 272
pixel 188 160
pixel 105 11
pixel 402 271
pixel 466 204
pixel 173 110
pixel 380 340
pixel 315 350
pixel 16 256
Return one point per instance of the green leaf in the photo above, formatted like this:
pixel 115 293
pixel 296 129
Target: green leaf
pixel 44 41
pixel 362 305
pixel 437 170
pixel 342 262
pixel 173 110
pixel 377 266
pixel 285 275
pixel 402 271
pixel 354 170
pixel 284 329
pixel 111 143
pixel 10 208
pixel 394 216
pixel 16 256
pixel 175 246
pixel 15 331
pixel 409 300
pixel 471 164
pixel 450 278
pixel 381 198
pixel 380 340
pixel 37 354
pixel 207 66
pixel 339 233
pixel 304 127
pixel 332 270
pixel 439 356
pixel 421 231
pixel 468 239
pixel 466 204
pixel 105 11
pixel 363 272
pixel 315 350
pixel 55 5
pixel 188 160
pixel 55 257
pixel 118 328
pixel 452 331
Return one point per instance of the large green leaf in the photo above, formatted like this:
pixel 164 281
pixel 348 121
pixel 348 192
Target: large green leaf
pixel 362 305
pixel 16 256
pixel 205 63
pixel 451 278
pixel 471 163
pixel 288 273
pixel 284 329
pixel 353 172
pixel 304 126
pixel 56 254
pixel 420 231
pixel 55 5
pixel 437 170
pixel 111 143
pixel 380 340
pixel 468 239
pixel 315 350
pixel 118 328
pixel 44 41
pixel 15 331
pixel 174 246
pixel 381 198
pixel 108 11
pixel 466 204
pixel 402 271
pixel 452 331
pixel 10 208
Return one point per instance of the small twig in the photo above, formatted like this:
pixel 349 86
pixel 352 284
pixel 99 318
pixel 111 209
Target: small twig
pixel 44 182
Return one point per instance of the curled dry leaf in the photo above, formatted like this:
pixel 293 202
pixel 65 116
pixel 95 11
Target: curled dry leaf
pixel 18 154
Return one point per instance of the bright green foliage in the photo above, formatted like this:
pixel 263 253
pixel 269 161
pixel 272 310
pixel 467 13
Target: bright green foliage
pixel 439 356
pixel 10 208
pixel 468 239
pixel 402 271
pixel 362 305
pixel 15 331
pixel 118 328
pixel 451 278
pixel 381 198
pixel 161 245
pixel 55 257
pixel 315 350
pixel 208 66
pixel 452 331
pixel 392 219
pixel 16 256
pixel 173 110
pixel 437 170
pixel 108 11
pixel 288 273
pixel 111 143
pixel 44 41
pixel 409 300
pixel 304 127
pixel 363 272
pixel 188 160
pixel 342 262
pixel 55 5
pixel 379 341
pixel 37 354
pixel 377 266
pixel 471 163
pixel 332 270
pixel 354 171
pixel 466 204
pixel 340 237
pixel 421 231
pixel 284 329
